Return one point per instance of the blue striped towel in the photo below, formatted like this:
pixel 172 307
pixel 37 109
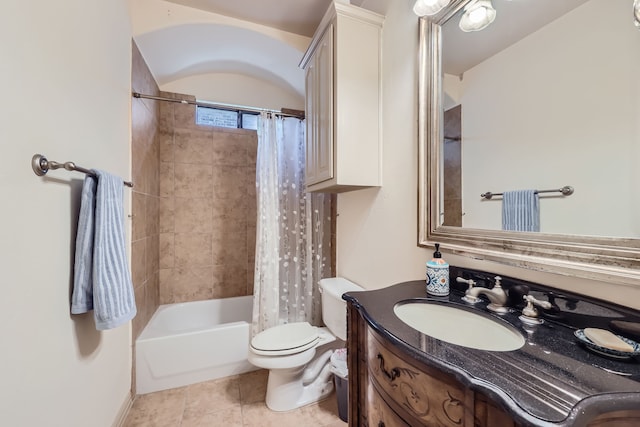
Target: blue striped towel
pixel 102 281
pixel 520 211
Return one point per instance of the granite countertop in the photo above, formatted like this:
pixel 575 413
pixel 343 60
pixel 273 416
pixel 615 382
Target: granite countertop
pixel 553 380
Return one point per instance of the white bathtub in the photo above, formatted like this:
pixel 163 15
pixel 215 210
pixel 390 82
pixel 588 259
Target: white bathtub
pixel 191 342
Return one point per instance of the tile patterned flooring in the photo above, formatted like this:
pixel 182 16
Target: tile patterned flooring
pixel 236 401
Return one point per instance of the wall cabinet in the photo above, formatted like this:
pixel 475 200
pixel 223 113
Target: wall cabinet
pixel 342 84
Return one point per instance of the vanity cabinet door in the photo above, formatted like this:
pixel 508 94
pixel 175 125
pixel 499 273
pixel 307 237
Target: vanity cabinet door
pixel 378 413
pixel 421 398
pixel 487 414
pixel 617 419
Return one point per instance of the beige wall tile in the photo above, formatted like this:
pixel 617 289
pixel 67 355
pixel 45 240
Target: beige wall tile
pixel 141 318
pixel 230 280
pixel 152 212
pixel 165 141
pixel 138 264
pixel 193 180
pixel 185 116
pixel 224 210
pixel 229 149
pixel 186 284
pixel 166 250
pixel 167 179
pixel 167 206
pixel 193 250
pixel 193 215
pixel 152 293
pixel 152 255
pixel 229 182
pixel 138 218
pixel 193 146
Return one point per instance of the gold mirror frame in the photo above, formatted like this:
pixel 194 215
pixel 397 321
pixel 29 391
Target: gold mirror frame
pixel 612 260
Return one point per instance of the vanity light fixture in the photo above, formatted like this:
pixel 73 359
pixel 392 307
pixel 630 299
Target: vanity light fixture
pixel 636 12
pixel 477 16
pixel 429 7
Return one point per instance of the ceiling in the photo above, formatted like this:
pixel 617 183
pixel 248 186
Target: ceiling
pixel 212 47
pixel 294 16
pixel 514 21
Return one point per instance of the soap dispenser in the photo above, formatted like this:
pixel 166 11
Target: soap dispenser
pixel 437 275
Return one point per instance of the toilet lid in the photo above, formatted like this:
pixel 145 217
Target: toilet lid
pixel 286 339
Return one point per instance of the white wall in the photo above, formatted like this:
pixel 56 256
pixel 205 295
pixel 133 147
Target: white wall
pixel 377 228
pixel 236 89
pixel 562 111
pixel 66 72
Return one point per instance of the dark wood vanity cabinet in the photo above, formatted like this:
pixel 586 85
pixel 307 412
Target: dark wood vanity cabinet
pixel 389 389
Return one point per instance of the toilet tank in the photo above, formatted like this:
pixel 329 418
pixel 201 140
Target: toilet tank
pixel 334 308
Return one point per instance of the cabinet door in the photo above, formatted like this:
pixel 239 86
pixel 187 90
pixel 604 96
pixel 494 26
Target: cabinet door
pixel 379 414
pixel 311 123
pixel 319 88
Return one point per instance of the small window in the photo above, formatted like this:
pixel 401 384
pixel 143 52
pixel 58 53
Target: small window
pixel 250 121
pixel 216 117
pixel 220 117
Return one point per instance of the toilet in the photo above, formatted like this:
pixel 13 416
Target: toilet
pixel 298 354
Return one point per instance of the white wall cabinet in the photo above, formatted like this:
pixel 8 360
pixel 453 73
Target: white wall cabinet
pixel 343 94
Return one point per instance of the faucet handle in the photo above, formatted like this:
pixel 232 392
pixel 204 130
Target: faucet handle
pixel 530 313
pixel 498 280
pixel 469 282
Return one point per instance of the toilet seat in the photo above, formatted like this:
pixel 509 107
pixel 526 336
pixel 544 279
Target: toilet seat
pixel 285 339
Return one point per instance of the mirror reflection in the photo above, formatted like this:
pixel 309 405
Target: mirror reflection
pixel 544 96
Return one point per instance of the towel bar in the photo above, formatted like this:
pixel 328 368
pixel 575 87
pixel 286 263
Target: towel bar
pixel 567 190
pixel 41 166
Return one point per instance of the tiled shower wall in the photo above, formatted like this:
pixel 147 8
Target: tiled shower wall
pixel 207 207
pixel 145 214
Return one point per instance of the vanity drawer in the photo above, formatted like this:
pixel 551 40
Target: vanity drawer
pixel 379 414
pixel 426 398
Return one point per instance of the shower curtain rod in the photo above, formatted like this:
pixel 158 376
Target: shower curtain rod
pixel 286 112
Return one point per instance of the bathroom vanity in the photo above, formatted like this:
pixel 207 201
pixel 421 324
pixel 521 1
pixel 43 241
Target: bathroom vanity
pixel 400 376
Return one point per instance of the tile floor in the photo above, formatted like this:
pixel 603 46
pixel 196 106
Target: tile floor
pixel 236 401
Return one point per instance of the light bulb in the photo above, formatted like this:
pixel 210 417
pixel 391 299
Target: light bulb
pixel 429 7
pixel 477 15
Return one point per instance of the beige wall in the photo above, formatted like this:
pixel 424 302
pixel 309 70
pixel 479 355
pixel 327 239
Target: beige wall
pixel 66 70
pixel 377 228
pixel 145 166
pixel 207 209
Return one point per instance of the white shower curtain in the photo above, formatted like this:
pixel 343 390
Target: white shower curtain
pixel 293 229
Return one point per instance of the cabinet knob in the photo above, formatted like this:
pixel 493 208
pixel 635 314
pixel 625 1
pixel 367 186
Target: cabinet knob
pixel 381 424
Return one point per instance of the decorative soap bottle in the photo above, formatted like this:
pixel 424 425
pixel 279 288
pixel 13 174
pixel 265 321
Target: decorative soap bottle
pixel 437 275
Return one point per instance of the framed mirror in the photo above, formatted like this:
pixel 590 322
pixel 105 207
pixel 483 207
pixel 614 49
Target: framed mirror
pixel 546 96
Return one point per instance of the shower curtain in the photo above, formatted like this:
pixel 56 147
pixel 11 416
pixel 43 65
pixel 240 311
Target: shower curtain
pixel 293 229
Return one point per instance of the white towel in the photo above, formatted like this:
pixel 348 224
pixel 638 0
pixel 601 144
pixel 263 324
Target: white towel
pixel 520 211
pixel 102 280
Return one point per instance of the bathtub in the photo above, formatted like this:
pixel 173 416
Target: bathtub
pixel 191 342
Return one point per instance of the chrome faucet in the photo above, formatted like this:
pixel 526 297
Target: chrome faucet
pixel 496 295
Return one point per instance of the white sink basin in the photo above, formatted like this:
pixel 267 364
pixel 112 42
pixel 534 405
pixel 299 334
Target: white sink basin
pixel 458 326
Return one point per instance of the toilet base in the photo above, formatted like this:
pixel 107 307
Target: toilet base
pixel 286 388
